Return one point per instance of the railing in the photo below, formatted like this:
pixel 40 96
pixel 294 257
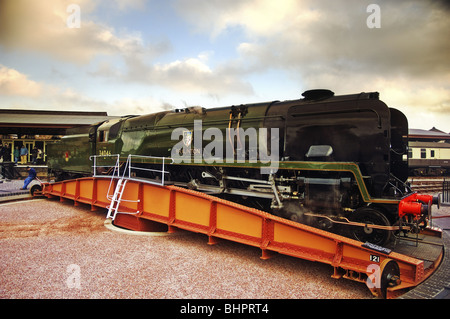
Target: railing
pixel 111 166
pixel 133 169
pixel 105 168
pixel 446 192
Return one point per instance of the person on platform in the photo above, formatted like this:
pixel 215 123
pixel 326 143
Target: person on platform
pixel 34 153
pixel 31 176
pixel 16 154
pixel 6 153
pixel 23 155
pixel 39 156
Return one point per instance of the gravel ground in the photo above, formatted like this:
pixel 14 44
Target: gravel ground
pixel 55 250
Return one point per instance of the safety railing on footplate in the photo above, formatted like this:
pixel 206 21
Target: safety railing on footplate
pixel 109 167
pixel 129 172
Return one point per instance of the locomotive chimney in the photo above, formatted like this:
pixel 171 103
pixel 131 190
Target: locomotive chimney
pixel 318 94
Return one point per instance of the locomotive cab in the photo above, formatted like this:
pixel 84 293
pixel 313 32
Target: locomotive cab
pixel 108 137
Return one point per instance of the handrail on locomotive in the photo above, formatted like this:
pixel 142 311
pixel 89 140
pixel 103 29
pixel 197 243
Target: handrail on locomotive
pixel 128 168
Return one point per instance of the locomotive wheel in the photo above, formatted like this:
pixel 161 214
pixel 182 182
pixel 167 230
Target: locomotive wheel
pixel 295 217
pixel 370 216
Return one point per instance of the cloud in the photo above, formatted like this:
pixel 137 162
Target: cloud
pixel 13 83
pixel 43 27
pixel 319 35
pixel 315 44
pixel 256 17
pixel 16 86
pixel 124 5
pixel 412 40
pixel 186 75
pixel 418 96
pixel 17 91
pixel 327 44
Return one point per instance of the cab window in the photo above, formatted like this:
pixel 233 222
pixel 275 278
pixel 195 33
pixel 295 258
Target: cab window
pixel 102 136
pixel 114 130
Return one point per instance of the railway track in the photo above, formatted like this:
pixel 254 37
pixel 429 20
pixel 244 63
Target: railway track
pixel 426 184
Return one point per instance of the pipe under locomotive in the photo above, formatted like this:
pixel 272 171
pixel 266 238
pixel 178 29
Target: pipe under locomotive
pixel 341 161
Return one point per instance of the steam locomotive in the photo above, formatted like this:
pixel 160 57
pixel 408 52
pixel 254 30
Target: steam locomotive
pixel 338 163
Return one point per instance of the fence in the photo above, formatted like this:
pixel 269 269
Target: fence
pixel 446 192
pixel 111 166
pixel 8 170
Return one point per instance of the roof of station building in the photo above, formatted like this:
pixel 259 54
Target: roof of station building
pixel 46 122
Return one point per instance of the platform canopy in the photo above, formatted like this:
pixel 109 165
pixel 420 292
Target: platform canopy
pixel 428 135
pixel 34 122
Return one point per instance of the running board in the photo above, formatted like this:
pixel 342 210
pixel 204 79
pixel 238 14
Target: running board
pixel 212 189
pixel 181 208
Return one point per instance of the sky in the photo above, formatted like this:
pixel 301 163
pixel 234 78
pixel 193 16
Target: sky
pixel 143 56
